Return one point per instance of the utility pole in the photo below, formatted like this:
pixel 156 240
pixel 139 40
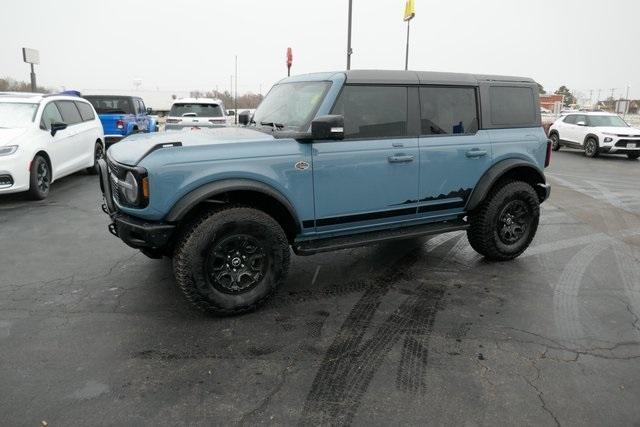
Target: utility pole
pixel 627 103
pixel 591 98
pixel 349 51
pixel 613 89
pixel 598 100
pixel 236 97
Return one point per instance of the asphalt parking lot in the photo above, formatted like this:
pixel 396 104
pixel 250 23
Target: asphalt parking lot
pixel 422 331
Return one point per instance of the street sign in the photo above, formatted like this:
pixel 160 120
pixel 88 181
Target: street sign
pixel 409 10
pixel 30 56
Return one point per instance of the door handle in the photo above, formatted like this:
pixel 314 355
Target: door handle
pixel 400 158
pixel 475 153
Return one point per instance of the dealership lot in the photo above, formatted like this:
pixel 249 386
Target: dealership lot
pixel 93 332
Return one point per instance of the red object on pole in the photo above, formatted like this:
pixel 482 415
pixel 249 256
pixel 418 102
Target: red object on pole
pixel 289 60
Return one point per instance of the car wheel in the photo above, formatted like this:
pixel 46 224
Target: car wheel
pixel 230 261
pixel 555 141
pixel 506 222
pixel 591 148
pixel 40 178
pixel 98 153
pixel 633 156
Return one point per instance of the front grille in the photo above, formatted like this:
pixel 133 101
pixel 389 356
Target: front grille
pixel 624 142
pixel 116 172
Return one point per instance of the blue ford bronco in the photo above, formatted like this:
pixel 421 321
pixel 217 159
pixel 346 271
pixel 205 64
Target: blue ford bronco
pixel 330 161
pixel 122 116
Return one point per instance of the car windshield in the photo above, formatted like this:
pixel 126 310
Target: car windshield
pixel 610 121
pixel 111 104
pixel 17 114
pixel 195 110
pixel 291 105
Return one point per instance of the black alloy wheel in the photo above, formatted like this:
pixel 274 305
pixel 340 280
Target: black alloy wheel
pixel 514 221
pixel 236 264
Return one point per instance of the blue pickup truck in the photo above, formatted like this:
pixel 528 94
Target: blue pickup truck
pixel 330 161
pixel 122 116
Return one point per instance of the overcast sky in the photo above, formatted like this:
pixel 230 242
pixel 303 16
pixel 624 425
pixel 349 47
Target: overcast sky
pixel 190 44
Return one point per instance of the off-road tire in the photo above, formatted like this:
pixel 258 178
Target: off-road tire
pixel 98 153
pixel 555 141
pixel 633 156
pixel 591 148
pixel 201 238
pixel 39 178
pixel 483 232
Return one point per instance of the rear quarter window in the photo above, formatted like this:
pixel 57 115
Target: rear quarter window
pixel 512 106
pixel 86 112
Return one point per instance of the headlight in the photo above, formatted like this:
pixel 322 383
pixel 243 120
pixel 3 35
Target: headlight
pixel 8 150
pixel 130 185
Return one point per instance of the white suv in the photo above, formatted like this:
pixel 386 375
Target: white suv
pixel 43 138
pixel 196 113
pixel 595 133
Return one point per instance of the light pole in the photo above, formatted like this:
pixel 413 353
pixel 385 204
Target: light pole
pixel 236 94
pixel 409 13
pixel 349 51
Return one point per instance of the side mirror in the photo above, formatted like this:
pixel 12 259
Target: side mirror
pixel 149 110
pixel 581 123
pixel 329 127
pixel 56 126
pixel 244 117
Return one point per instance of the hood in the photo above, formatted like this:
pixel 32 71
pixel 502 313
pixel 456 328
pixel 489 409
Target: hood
pixel 619 130
pixel 134 148
pixel 8 136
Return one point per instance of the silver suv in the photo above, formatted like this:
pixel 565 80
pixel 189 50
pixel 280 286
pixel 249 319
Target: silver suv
pixel 196 113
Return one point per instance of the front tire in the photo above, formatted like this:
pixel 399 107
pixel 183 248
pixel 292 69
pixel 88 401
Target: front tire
pixel 39 178
pixel 506 222
pixel 555 141
pixel 230 261
pixel 633 156
pixel 591 148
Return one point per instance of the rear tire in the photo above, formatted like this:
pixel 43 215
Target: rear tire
pixel 555 141
pixel 633 156
pixel 98 153
pixel 591 149
pixel 231 260
pixel 506 222
pixel 39 178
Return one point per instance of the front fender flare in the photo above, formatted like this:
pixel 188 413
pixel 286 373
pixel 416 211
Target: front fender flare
pixel 492 176
pixel 207 191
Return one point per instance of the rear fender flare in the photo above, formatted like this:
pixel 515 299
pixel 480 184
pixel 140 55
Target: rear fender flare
pixel 494 174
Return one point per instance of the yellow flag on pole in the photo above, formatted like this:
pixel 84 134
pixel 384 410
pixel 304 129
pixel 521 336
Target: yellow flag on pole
pixel 409 10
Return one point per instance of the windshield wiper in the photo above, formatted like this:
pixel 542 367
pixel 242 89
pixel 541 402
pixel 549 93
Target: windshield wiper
pixel 274 125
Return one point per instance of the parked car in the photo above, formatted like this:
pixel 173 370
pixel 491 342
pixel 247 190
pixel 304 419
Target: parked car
pixel 122 116
pixel 43 138
pixel 196 112
pixel 331 161
pixel 596 133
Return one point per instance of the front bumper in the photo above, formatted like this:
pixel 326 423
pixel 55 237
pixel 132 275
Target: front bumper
pixel 135 232
pixel 620 145
pixel 14 172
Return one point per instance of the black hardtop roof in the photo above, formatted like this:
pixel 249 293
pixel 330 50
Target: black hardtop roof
pixel 425 77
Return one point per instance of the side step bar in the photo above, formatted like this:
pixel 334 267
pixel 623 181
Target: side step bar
pixel 310 247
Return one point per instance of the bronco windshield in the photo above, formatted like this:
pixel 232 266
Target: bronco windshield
pixel 17 114
pixel 291 106
pixel 611 121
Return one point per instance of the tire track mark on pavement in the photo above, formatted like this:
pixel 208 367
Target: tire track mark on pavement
pixel 566 290
pixel 350 362
pixel 629 269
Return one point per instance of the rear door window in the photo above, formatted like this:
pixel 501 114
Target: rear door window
pixel 373 111
pixel 512 106
pixel 69 112
pixel 448 110
pixel 86 112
